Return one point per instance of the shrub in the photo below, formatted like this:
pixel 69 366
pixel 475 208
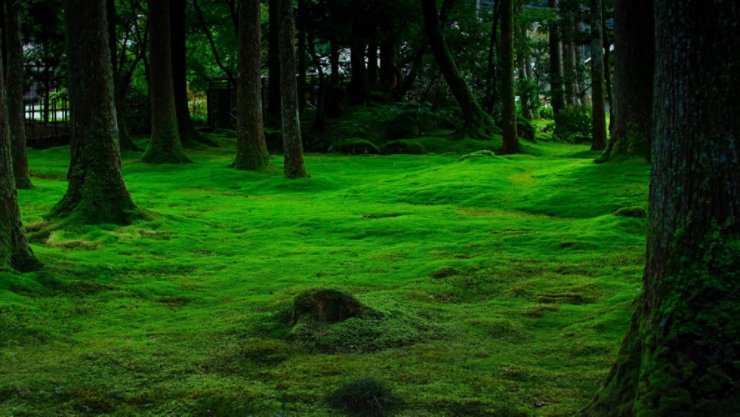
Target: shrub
pixel 354 146
pixel 525 128
pixel 573 124
pixel 402 147
pixel 364 396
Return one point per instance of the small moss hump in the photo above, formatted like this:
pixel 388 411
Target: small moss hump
pixel 325 305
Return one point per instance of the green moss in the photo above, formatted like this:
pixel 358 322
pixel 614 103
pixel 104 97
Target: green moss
pixel 189 309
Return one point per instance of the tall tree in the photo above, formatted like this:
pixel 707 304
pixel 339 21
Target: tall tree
pixel 251 149
pixel 16 111
pixel 96 192
pixel 273 63
pixel 164 144
pixel 291 125
pixel 188 135
pixel 477 122
pixel 634 54
pixel 598 112
pixel 679 357
pixel 511 138
pixel 556 78
pixel 14 249
pixel 568 32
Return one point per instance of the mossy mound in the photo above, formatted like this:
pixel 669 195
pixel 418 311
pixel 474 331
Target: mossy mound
pixel 403 147
pixel 364 396
pixel 637 212
pixel 325 305
pixel 354 146
pixel 331 321
pixel 477 155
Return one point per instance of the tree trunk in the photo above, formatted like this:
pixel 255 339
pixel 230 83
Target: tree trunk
pixel 633 78
pixel 96 192
pixel 580 59
pixel 14 249
pixel 679 357
pixel 185 127
pixel 357 91
pixel 164 145
pixel 607 68
pixel 273 64
pixel 16 111
pixel 251 149
pixel 511 138
pixel 372 62
pixel 291 124
pixel 556 79
pixel 477 122
pixel 301 24
pixel 598 115
pixel 334 92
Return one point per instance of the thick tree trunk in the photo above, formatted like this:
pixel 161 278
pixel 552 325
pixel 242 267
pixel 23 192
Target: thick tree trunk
pixel 388 78
pixel 598 116
pixel 633 78
pixel 477 122
pixel 273 64
pixel 251 149
pixel 679 358
pixel 16 111
pixel 291 124
pixel 334 93
pixel 188 135
pixel 164 145
pixel 556 78
pixel 96 192
pixel 14 250
pixel 511 138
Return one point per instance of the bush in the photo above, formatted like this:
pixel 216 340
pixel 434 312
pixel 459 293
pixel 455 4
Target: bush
pixel 355 146
pixel 546 112
pixel 525 128
pixel 573 124
pixel 402 147
pixel 364 396
pixel 404 125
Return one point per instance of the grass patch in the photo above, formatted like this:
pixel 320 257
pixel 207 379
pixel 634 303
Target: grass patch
pixel 491 285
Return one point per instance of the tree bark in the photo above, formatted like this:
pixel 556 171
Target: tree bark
pixel 556 78
pixel 357 90
pixel 291 125
pixel 679 357
pixel 511 138
pixel 273 63
pixel 569 53
pixel 598 115
pixel 301 24
pixel 14 250
pixel 14 77
pixel 164 145
pixel 188 135
pixel 251 149
pixel 477 122
pixel 633 78
pixel 96 192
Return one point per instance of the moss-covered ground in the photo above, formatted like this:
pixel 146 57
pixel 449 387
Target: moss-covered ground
pixel 500 285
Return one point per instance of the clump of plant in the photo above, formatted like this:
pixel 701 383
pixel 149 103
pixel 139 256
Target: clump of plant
pixel 573 124
pixel 364 396
pixel 354 146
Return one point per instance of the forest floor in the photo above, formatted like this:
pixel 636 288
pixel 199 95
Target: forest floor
pixel 504 286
